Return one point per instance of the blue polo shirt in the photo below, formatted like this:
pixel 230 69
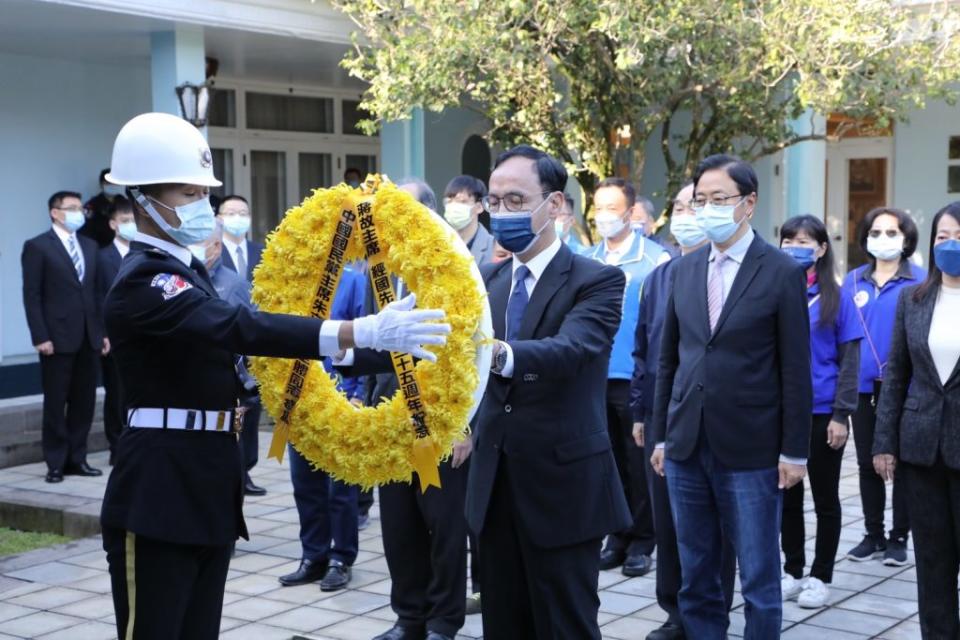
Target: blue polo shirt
pixel 877 308
pixel 825 344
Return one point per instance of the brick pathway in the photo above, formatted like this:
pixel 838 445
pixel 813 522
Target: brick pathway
pixel 64 592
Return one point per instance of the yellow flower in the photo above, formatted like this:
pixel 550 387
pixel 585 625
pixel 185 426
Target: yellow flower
pixel 371 446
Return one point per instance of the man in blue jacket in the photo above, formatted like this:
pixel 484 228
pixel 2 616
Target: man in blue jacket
pixel 636 256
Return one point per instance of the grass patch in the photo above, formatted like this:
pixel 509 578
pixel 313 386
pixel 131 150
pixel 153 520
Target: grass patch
pixel 13 541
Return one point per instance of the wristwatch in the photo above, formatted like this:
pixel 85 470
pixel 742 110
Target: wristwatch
pixel 499 359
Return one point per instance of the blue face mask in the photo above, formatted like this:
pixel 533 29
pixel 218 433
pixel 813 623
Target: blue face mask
pixel 514 231
pixel 73 220
pixel 197 220
pixel 127 230
pixel 806 257
pixel 718 221
pixel 946 255
pixel 687 230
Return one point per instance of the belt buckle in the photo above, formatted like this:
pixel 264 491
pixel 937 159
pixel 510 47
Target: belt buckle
pixel 238 419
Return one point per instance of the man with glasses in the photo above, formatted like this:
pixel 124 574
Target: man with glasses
pixel 64 316
pixel 543 487
pixel 240 255
pixel 732 406
pixel 629 250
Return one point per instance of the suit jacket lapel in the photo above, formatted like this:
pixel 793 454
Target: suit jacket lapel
pixel 60 250
pixel 89 258
pixel 752 261
pixel 552 278
pixel 700 269
pixel 921 324
pixel 498 290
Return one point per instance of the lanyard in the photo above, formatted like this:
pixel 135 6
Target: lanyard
pixel 813 301
pixel 863 323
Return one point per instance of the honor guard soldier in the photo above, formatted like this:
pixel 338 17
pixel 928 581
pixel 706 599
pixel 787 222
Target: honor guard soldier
pixel 173 505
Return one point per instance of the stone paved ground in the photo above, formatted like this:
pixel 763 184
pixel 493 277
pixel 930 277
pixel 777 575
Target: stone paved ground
pixel 64 592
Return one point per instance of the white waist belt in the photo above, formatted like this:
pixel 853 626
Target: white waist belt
pixel 185 419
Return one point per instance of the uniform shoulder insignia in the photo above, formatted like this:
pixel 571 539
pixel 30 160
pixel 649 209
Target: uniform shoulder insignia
pixel 170 284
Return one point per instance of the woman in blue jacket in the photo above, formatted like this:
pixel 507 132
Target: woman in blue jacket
pixel 889 237
pixel 835 335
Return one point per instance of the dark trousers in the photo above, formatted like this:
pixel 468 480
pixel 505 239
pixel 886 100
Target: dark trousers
pixel 69 398
pixel 668 556
pixel 823 468
pixel 424 541
pixel 365 501
pixel 531 592
pixel 873 491
pixel 113 412
pixel 328 513
pixel 631 466
pixel 933 494
pixel 163 590
pixel 711 502
pixel 250 437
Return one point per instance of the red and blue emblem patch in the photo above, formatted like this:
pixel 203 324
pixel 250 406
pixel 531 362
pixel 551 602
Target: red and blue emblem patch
pixel 171 285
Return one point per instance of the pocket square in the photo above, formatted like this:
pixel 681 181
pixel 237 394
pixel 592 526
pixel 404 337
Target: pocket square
pixel 531 377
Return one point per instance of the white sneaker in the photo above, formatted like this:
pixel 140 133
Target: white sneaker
pixel 790 587
pixel 814 594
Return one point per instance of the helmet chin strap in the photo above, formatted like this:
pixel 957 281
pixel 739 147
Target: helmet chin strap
pixel 147 206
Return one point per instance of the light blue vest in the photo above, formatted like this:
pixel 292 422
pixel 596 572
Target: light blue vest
pixel 642 258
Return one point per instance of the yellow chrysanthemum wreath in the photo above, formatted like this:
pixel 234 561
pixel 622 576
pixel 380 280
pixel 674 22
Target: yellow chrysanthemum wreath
pixel 370 446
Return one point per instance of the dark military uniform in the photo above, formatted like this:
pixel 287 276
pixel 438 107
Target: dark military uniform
pixel 173 504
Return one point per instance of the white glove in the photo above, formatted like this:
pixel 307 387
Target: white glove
pixel 401 329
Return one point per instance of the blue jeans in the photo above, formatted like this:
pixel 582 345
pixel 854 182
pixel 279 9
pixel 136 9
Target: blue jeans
pixel 707 497
pixel 328 513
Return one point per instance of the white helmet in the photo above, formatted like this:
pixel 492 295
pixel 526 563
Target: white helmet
pixel 159 148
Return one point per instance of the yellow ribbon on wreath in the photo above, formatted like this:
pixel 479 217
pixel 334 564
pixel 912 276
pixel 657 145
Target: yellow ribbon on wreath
pixel 301 267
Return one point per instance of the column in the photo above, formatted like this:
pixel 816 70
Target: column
pixel 806 169
pixel 402 147
pixel 176 56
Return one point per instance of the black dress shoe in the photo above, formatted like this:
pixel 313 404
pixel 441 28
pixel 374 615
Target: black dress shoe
pixel 54 475
pixel 669 631
pixel 612 558
pixel 398 632
pixel 82 469
pixel 309 571
pixel 338 577
pixel 637 564
pixel 251 489
pixel 436 635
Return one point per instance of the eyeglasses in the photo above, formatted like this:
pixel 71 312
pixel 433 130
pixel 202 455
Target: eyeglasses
pixel 71 210
pixel 890 233
pixel 716 201
pixel 513 202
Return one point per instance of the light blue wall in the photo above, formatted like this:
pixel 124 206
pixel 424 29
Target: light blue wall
pixel 920 165
pixel 58 119
pixel 402 147
pixel 176 57
pixel 445 135
pixel 805 167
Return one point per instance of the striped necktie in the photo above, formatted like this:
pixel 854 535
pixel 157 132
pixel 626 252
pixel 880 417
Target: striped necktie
pixel 241 262
pixel 75 256
pixel 715 290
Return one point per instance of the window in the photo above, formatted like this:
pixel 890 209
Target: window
pixel 222 111
pixel 362 163
pixel 316 172
pixel 953 165
pixel 223 170
pixel 352 115
pixel 275 112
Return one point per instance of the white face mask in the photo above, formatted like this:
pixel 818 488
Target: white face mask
pixel 885 248
pixel 236 225
pixel 199 252
pixel 458 214
pixel 608 225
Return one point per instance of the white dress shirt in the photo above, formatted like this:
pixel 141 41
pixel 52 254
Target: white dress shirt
pixel 122 247
pixel 232 248
pixel 537 265
pixel 65 236
pixel 329 331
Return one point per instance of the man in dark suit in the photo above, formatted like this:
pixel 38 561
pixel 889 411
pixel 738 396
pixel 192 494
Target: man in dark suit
pixel 63 313
pixel 109 258
pixel 543 487
pixel 239 254
pixel 733 403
